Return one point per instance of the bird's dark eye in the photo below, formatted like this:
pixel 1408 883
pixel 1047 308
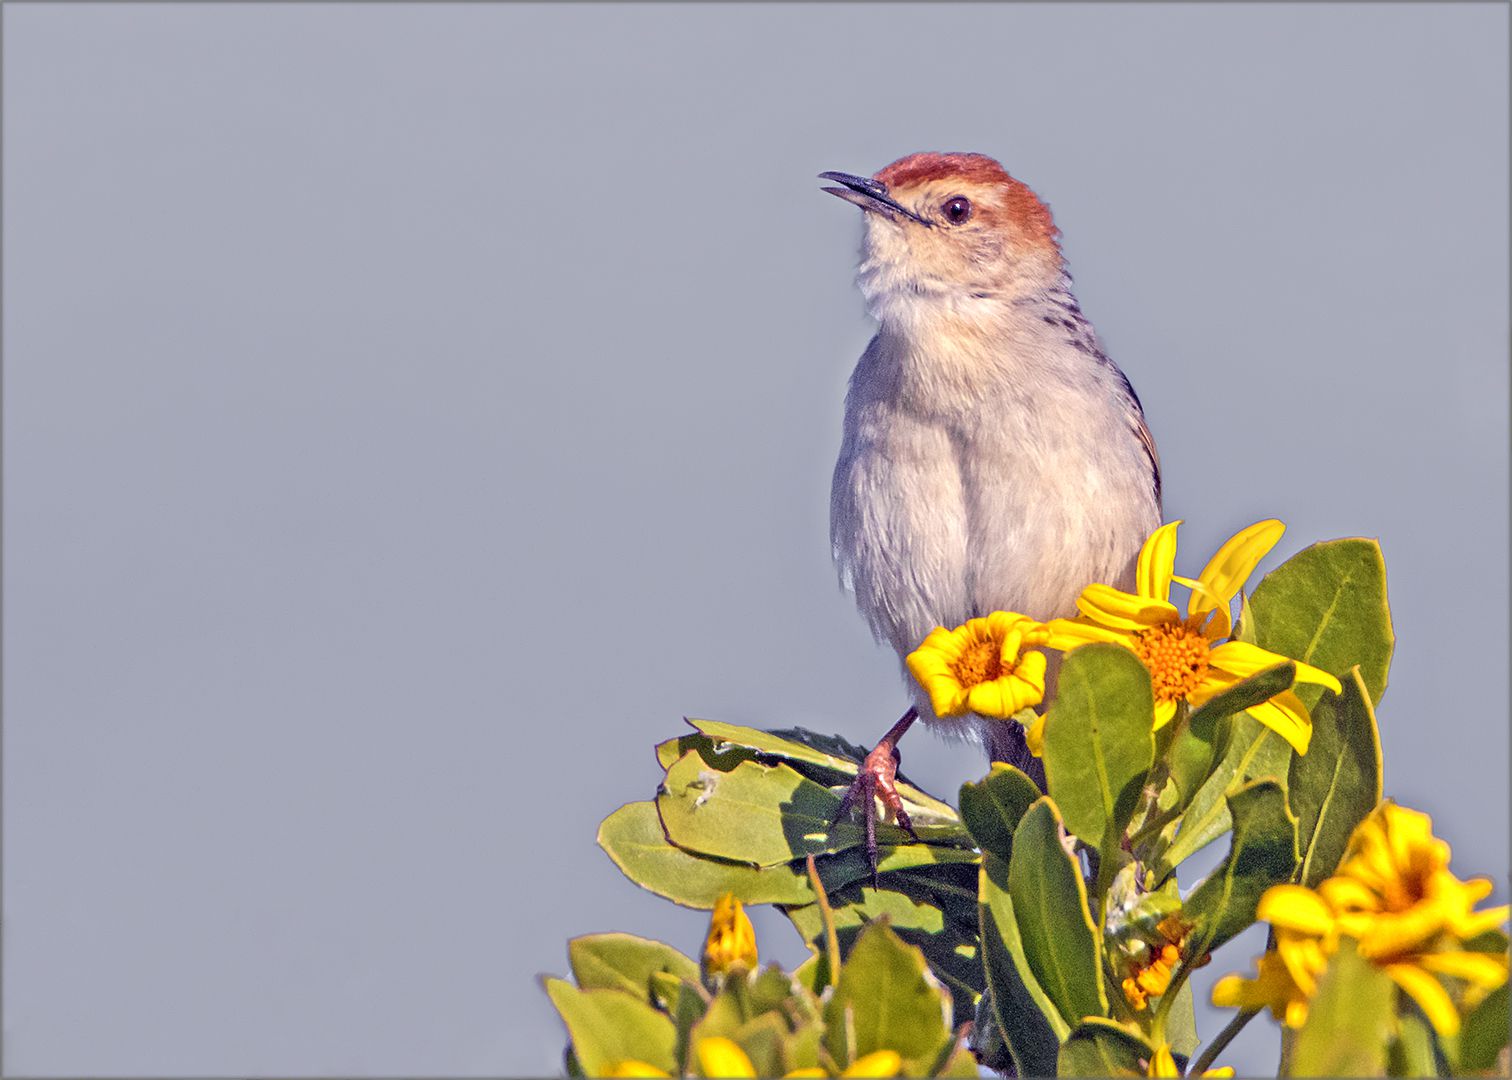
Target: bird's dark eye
pixel 957 209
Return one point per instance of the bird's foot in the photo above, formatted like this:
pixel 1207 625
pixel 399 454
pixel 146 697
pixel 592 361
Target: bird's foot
pixel 878 780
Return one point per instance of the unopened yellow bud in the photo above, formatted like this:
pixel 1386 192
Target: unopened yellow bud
pixel 732 938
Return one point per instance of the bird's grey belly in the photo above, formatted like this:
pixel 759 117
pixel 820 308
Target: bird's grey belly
pixel 927 541
pixel 900 532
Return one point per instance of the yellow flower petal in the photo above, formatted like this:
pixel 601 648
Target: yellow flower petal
pixel 1234 992
pixel 1345 894
pixel 989 699
pixel 1157 561
pixel 1272 987
pixel 1293 907
pixel 1478 922
pixel 1430 995
pixel 1035 736
pixel 1029 678
pixel 1217 624
pixel 1163 1064
pixel 1287 717
pixel 1243 659
pixel 877 1063
pixel 720 1057
pixel 1230 567
pixel 1486 970
pixel 1067 634
pixel 1395 933
pixel 1123 611
pixel 797 1073
pixel 1165 711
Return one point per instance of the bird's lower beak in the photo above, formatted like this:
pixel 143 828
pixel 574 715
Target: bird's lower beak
pixel 870 195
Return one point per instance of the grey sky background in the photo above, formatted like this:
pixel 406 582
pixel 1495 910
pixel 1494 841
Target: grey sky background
pixel 411 412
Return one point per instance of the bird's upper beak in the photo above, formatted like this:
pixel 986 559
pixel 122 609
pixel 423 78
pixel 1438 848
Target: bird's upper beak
pixel 870 195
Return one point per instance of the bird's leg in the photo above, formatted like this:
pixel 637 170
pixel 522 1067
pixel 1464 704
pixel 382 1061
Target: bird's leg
pixel 878 779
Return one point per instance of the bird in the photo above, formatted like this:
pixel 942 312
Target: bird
pixel 993 457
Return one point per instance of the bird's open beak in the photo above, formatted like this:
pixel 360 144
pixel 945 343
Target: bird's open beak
pixel 870 195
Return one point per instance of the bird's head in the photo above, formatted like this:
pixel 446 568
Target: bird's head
pixel 950 229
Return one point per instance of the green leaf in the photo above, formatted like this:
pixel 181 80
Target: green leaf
pixel 728 1011
pixel 632 836
pixel 1181 1022
pixel 610 1026
pixel 993 806
pixel 1412 1053
pixel 625 962
pixel 950 887
pixel 1337 782
pixel 892 1001
pixel 1484 1033
pixel 686 1006
pixel 830 753
pixel 1263 853
pixel 770 990
pixel 1197 743
pixel 1349 1020
pixel 950 949
pixel 721 756
pixel 1099 742
pixel 764 1039
pixel 1100 1047
pixel 1030 1023
pixel 767 815
pixel 1251 752
pixel 1326 606
pixel 1060 940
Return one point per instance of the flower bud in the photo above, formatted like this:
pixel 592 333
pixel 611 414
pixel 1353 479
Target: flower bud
pixel 732 939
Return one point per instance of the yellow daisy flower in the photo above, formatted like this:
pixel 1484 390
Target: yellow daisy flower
pixel 732 938
pixel 982 667
pixel 1272 987
pixel 1410 916
pixel 1187 656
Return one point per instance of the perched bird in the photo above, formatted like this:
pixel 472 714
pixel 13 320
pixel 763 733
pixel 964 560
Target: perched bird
pixel 994 458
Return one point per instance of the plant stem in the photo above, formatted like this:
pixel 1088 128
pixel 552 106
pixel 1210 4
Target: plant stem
pixel 1223 1038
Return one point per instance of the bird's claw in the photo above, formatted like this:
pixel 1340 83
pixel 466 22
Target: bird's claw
pixel 877 780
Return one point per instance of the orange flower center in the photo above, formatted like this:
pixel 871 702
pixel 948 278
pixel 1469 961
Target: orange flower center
pixel 1409 888
pixel 981 662
pixel 1176 655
